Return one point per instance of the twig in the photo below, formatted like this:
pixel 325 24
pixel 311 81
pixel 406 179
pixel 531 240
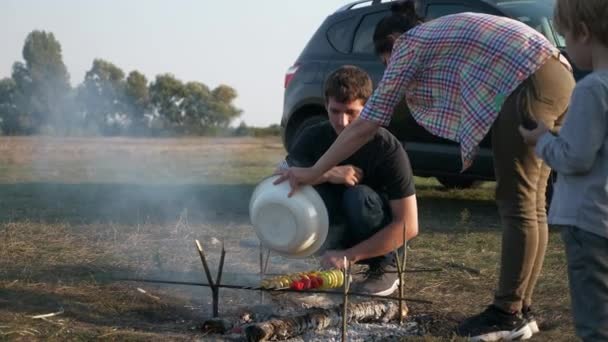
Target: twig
pixel 215 290
pixel 401 277
pixel 346 287
pixel 20 332
pixel 267 259
pixel 420 270
pixel 147 294
pixel 201 253
pixel 48 315
pixel 11 284
pixel 399 274
pixel 261 259
pixel 213 285
pixel 464 268
pixel 249 288
pixel 262 270
pixel 27 332
pixel 432 286
pixel 407 270
pixel 263 267
pixel 221 267
pixel 109 334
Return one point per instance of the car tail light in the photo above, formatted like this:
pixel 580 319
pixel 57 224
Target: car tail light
pixel 291 72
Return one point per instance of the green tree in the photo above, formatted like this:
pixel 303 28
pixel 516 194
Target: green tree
pixel 138 101
pixel 9 118
pixel 195 107
pixel 43 81
pixel 242 130
pixel 166 95
pixel 22 99
pixel 222 110
pixel 102 98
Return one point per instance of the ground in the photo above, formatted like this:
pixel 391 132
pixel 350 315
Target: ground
pixel 77 213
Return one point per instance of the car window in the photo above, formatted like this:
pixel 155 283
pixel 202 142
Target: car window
pixel 439 10
pixel 339 35
pixel 363 43
pixel 536 14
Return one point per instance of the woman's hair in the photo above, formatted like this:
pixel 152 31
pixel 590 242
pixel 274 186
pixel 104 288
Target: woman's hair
pixel 570 15
pixel 403 17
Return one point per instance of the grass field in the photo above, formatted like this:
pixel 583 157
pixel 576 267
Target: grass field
pixel 73 211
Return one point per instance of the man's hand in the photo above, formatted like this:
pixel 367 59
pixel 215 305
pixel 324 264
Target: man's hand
pixel 298 176
pixel 346 174
pixel 531 136
pixel 334 259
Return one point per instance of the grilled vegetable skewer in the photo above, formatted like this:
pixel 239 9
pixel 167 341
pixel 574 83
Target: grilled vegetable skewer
pixel 328 279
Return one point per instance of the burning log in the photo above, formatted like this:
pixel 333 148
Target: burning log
pixel 236 324
pixel 218 325
pixel 318 319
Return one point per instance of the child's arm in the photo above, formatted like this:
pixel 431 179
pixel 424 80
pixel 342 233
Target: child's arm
pixel 583 134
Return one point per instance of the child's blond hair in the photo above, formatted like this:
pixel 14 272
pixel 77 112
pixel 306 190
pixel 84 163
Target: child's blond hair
pixel 570 14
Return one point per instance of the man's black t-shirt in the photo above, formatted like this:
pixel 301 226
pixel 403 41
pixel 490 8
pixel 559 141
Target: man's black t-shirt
pixel 385 165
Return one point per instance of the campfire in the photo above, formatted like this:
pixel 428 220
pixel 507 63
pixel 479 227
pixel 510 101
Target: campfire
pixel 354 309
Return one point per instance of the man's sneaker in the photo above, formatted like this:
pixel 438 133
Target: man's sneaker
pixel 381 280
pixel 531 319
pixel 493 325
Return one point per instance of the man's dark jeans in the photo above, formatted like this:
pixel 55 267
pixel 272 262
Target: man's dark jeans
pixel 355 214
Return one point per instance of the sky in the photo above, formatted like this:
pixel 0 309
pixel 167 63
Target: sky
pixel 247 45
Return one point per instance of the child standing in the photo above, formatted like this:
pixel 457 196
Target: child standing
pixel 579 154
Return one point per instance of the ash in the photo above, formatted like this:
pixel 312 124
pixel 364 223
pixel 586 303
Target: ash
pixel 242 267
pixel 285 305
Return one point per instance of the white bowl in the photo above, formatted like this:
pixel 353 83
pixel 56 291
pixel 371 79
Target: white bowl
pixel 294 227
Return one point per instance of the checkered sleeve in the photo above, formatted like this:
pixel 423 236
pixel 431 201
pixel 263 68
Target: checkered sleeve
pixel 283 165
pixel 401 70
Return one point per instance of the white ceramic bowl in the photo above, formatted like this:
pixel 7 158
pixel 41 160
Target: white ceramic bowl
pixel 294 227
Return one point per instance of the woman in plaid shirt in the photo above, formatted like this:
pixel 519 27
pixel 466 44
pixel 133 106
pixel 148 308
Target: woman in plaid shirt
pixel 461 76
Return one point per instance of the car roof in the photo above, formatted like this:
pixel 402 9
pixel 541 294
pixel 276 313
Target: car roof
pixel 366 3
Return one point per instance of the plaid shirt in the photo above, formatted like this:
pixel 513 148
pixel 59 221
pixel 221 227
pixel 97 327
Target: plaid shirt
pixel 456 72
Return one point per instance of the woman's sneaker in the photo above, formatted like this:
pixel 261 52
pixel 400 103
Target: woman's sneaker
pixel 494 324
pixel 531 319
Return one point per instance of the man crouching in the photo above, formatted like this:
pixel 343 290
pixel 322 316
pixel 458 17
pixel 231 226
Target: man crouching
pixel 370 196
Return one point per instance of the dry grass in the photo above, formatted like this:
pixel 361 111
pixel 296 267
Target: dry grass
pixel 74 212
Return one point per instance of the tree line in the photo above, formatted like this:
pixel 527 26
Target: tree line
pixel 38 99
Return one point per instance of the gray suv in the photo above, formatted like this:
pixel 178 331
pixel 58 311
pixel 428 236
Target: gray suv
pixel 345 37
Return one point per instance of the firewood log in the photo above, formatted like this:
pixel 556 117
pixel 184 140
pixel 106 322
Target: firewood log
pixel 283 328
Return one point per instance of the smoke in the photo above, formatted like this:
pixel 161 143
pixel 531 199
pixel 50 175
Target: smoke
pixel 144 200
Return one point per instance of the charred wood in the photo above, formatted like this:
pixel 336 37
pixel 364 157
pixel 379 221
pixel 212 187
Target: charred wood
pixel 318 319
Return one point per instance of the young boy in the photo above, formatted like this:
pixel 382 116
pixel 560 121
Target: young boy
pixel 370 196
pixel 579 154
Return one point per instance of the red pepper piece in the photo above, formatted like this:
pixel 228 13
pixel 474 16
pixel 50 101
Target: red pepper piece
pixel 299 285
pixel 313 281
pixel 320 281
pixel 306 283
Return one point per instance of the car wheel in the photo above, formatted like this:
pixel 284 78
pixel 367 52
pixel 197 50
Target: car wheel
pixel 456 182
pixel 309 121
